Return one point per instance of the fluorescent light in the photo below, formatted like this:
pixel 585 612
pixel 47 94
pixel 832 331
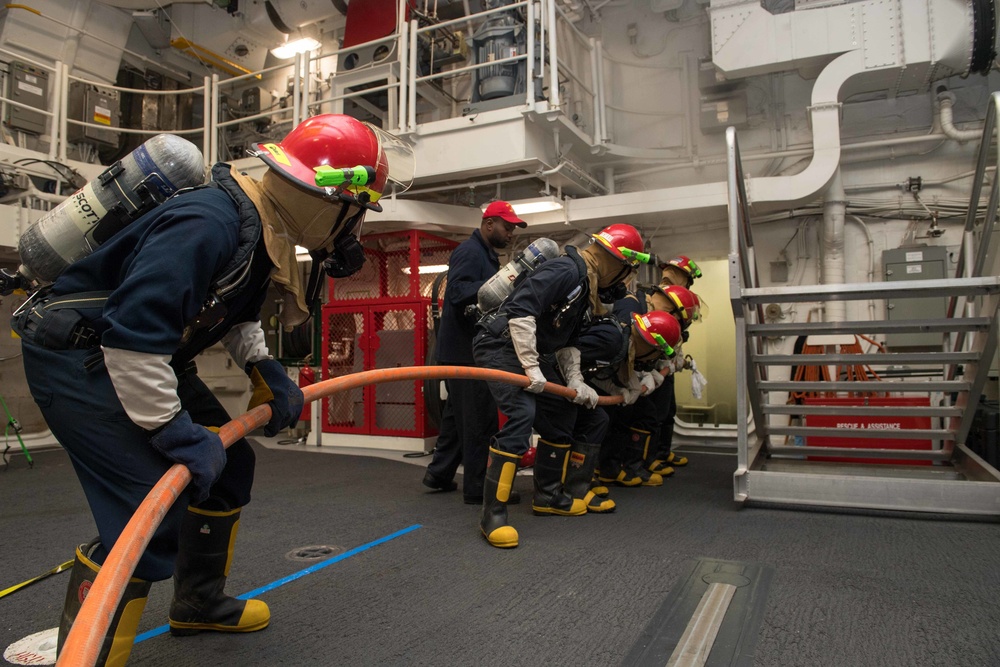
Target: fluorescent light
pixel 300 45
pixel 302 254
pixel 528 206
pixel 429 268
pixel 537 205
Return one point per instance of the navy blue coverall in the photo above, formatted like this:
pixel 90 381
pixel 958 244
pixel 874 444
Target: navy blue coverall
pixel 469 418
pixel 159 271
pixel 544 295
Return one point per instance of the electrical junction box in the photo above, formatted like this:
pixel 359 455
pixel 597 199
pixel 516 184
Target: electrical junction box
pixel 28 85
pixel 93 104
pixel 719 112
pixel 915 263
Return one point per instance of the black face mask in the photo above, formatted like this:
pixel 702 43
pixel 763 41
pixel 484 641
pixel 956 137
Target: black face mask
pixel 345 259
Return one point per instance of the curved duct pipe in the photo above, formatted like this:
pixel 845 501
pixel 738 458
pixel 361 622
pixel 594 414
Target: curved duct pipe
pixel 825 114
pixel 834 210
pixel 888 61
pixel 945 102
pixel 874 45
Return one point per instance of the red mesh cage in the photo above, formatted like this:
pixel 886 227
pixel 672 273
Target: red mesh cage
pixel 380 318
pixel 392 268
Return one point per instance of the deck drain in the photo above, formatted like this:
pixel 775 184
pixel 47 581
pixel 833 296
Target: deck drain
pixel 316 552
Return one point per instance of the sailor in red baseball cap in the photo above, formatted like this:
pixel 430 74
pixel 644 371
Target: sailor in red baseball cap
pixel 504 211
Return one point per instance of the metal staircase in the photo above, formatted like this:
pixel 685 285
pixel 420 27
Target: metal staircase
pixel 784 450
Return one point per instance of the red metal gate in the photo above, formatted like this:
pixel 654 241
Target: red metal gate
pixel 380 318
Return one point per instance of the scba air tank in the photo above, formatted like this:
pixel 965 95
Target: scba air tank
pixel 122 193
pixel 497 288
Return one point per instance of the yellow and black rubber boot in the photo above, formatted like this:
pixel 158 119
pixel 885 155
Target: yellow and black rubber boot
pixel 121 634
pixel 661 460
pixel 550 497
pixel 500 471
pixel 205 553
pixel 610 463
pixel 677 460
pixel 580 475
pixel 637 451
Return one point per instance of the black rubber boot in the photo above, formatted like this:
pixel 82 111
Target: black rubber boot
pixel 550 471
pixel 203 559
pixel 121 634
pixel 636 452
pixel 663 461
pixel 609 463
pixel 500 471
pixel 580 475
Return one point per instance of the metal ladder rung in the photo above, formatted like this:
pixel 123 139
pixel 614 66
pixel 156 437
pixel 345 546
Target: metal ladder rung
pixel 851 452
pixel 879 290
pixel 869 327
pixel 890 434
pixel 915 358
pixel 865 387
pixel 864 410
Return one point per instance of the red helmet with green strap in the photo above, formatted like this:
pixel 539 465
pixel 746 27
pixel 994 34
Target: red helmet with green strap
pixel 687 305
pixel 685 264
pixel 337 156
pixel 659 329
pixel 624 242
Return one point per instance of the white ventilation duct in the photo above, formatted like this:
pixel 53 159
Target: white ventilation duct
pixel 864 46
pixel 874 45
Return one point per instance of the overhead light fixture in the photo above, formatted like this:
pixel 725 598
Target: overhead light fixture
pixel 429 268
pixel 302 254
pixel 290 48
pixel 537 205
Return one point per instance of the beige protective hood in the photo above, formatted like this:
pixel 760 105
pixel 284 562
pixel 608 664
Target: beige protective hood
pixel 289 217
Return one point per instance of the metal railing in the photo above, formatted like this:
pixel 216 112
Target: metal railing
pixel 571 72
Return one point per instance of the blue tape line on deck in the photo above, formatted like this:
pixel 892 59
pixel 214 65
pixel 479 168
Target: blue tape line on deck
pixel 149 634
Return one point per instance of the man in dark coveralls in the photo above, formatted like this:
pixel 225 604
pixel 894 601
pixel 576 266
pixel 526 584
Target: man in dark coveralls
pixel 115 377
pixel 534 333
pixel 469 418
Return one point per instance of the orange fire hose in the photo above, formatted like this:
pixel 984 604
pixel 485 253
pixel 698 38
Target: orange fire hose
pixel 83 644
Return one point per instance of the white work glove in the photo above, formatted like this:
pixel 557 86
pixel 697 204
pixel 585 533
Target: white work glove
pixel 568 359
pixel 522 335
pixel 648 382
pixel 629 395
pixel 698 380
pixel 658 379
pixel 536 378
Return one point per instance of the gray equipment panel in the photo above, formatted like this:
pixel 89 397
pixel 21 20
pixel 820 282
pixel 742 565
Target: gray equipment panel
pixel 93 104
pixel 28 85
pixel 915 263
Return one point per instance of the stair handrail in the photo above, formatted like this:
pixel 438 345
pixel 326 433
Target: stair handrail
pixel 964 268
pixel 743 274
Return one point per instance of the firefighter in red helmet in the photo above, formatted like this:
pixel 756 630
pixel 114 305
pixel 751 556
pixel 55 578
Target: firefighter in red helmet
pixel 535 333
pixel 674 295
pixel 121 389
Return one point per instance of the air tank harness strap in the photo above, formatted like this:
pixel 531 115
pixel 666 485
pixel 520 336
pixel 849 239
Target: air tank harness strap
pixel 54 323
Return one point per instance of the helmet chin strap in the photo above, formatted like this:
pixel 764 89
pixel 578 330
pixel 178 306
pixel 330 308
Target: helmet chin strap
pixel 346 257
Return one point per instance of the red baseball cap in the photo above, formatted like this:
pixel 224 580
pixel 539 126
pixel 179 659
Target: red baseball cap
pixel 501 209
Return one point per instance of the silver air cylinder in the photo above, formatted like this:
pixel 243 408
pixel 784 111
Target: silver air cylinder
pixel 497 288
pixel 125 191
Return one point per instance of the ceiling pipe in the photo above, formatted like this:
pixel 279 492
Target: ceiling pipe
pixel 945 102
pixel 861 47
